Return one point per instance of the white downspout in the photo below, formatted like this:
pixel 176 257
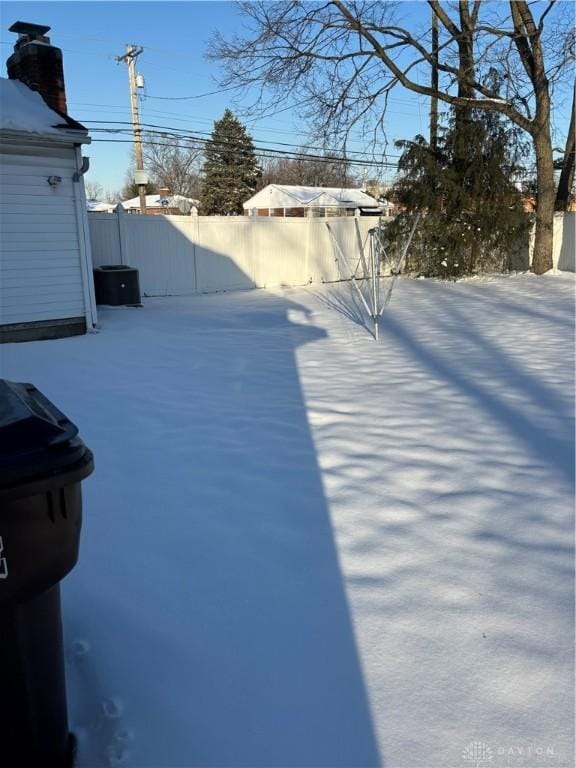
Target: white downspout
pixel 84 243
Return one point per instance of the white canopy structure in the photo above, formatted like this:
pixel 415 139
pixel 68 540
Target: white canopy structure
pixel 287 200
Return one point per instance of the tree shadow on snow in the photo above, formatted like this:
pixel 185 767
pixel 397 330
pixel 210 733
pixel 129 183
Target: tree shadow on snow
pixel 471 522
pixel 549 436
pixel 549 440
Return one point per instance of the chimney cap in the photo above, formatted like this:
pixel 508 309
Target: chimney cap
pixel 27 28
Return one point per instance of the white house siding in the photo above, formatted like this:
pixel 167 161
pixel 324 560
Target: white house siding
pixel 40 252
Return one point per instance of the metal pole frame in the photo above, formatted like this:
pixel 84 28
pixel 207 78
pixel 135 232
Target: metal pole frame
pixel 373 270
pixel 400 262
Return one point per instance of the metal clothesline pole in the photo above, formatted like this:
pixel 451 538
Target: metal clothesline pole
pixel 353 276
pixel 372 269
pixel 400 262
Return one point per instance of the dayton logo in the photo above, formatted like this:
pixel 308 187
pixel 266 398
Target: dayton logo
pixel 478 754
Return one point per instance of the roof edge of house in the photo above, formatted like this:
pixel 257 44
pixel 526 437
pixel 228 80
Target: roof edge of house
pixel 72 124
pixel 67 137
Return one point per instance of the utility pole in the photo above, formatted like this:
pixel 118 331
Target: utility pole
pixel 132 53
pixel 434 84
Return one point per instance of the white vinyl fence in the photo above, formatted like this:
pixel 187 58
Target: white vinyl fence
pixel 565 241
pixel 564 254
pixel 178 255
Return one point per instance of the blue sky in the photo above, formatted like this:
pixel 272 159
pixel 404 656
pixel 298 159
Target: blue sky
pixel 174 36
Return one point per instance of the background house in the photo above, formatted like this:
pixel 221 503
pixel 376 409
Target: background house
pixel 98 206
pixel 286 200
pixel 46 285
pixel 163 203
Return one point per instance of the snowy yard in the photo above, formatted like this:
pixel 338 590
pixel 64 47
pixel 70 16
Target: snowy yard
pixel 305 548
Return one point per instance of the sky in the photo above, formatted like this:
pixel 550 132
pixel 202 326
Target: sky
pixel 175 38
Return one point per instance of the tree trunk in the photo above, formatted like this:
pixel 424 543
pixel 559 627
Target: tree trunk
pixel 465 78
pixel 434 86
pixel 543 238
pixel 567 174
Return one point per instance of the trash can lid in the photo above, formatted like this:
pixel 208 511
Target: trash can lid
pixel 28 421
pixel 34 435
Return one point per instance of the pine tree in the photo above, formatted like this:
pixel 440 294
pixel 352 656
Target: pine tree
pixel 231 172
pixel 473 215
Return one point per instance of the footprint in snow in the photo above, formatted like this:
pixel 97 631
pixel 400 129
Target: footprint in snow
pixel 112 708
pixel 117 752
pixel 117 756
pixel 78 650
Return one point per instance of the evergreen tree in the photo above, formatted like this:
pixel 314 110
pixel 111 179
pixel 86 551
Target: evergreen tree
pixel 231 172
pixel 473 218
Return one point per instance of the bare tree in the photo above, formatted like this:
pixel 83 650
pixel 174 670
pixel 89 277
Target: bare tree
pixel 111 196
pixel 307 171
pixel 339 61
pixel 174 164
pixel 94 190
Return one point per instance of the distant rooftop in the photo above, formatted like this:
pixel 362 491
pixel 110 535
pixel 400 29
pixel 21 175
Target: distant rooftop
pixel 287 195
pixel 155 201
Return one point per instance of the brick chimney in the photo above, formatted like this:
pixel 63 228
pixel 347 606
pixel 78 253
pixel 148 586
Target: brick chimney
pixel 38 64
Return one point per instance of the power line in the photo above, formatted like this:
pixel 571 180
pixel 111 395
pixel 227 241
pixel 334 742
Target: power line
pixel 182 133
pixel 263 153
pixel 356 136
pixel 187 98
pixel 193 140
pixel 275 154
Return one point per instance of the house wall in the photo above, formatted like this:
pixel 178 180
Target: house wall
pixel 178 255
pixel 41 248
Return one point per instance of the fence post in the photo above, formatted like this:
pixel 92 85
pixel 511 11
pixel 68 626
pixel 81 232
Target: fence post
pixel 195 242
pixel 122 236
pixel 307 276
pixel 251 257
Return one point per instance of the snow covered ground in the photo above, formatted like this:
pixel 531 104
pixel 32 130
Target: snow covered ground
pixel 305 548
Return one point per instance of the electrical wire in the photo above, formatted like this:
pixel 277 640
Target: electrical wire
pixel 355 136
pixel 263 153
pixel 193 140
pixel 181 132
pixel 197 96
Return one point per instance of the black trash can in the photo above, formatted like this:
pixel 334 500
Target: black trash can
pixel 42 464
pixel 117 285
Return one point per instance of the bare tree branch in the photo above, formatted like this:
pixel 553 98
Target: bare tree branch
pixel 339 61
